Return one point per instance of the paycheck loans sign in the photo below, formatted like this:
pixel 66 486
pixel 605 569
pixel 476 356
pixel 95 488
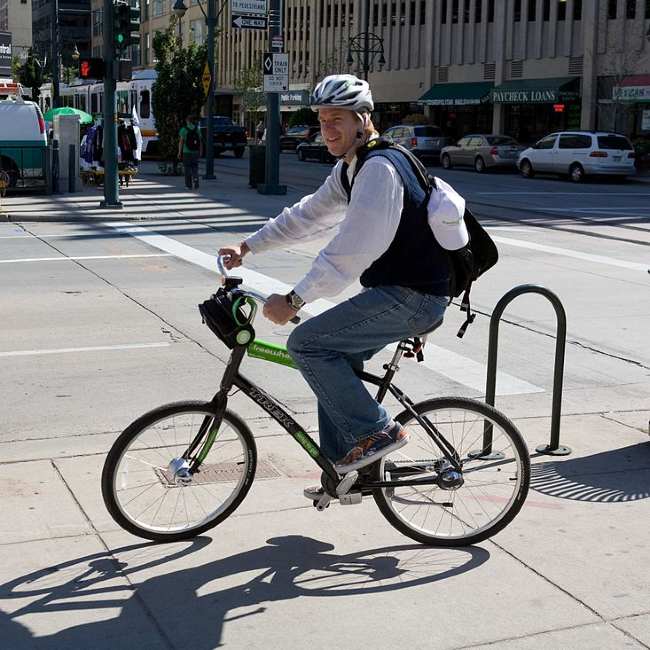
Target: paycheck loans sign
pixel 5 54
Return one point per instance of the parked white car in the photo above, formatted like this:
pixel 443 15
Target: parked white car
pixel 579 154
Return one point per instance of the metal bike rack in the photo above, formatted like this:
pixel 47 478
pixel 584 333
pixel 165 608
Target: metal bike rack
pixel 553 448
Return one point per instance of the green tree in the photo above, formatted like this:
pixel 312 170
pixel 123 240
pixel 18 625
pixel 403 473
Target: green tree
pixel 31 75
pixel 16 65
pixel 303 116
pixel 69 74
pixel 178 90
pixel 248 85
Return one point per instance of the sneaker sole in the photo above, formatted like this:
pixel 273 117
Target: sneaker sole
pixel 363 462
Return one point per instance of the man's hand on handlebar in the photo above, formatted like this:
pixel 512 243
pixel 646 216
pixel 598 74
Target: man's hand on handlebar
pixel 233 256
pixel 278 310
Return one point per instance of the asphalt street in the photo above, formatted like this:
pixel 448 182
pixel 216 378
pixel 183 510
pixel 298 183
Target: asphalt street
pixel 100 324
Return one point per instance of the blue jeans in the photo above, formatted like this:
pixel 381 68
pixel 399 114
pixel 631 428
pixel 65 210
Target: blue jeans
pixel 329 347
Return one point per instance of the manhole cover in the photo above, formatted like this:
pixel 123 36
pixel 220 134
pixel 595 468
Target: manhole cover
pixel 219 473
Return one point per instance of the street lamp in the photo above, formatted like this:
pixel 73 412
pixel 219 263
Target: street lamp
pixel 367 46
pixel 179 10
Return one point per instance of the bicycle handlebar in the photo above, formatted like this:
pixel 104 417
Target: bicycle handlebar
pixel 253 294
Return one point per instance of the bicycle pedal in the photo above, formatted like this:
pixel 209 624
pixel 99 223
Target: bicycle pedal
pixel 346 483
pixel 351 499
pixel 323 502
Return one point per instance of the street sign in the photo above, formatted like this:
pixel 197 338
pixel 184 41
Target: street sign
pixel 249 22
pixel 277 43
pixel 205 78
pixel 249 7
pixel 276 72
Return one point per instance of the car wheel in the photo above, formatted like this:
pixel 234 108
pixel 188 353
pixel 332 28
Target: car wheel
pixel 446 161
pixel 576 173
pixel 301 154
pixel 526 169
pixel 479 165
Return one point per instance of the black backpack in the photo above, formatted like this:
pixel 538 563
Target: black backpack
pixel 466 264
pixel 192 139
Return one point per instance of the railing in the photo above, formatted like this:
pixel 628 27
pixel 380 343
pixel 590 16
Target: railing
pixel 553 448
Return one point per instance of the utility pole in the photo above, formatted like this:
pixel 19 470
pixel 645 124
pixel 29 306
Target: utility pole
pixel 366 42
pixel 209 145
pixel 272 167
pixel 111 192
pixel 55 54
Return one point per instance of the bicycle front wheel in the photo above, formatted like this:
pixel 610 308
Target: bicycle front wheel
pixel 148 484
pixel 457 508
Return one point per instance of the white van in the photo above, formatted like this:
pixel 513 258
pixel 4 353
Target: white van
pixel 23 142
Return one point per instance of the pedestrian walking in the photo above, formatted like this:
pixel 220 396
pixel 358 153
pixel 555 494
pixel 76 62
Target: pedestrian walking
pixel 189 151
pixel 259 131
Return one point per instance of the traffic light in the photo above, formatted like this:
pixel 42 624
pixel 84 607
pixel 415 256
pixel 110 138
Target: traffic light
pixel 91 68
pixel 121 24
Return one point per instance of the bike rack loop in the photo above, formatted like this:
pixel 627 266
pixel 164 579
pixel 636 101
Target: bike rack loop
pixel 553 448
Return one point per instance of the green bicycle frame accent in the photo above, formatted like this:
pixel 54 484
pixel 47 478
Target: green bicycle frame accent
pixel 270 352
pixel 207 445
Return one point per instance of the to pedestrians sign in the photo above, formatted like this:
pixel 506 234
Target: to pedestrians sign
pixel 248 7
pixel 276 72
pixel 249 22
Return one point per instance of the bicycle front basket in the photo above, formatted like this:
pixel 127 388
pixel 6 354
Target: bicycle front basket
pixel 226 318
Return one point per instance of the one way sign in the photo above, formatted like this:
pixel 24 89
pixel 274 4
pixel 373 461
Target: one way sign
pixel 275 67
pixel 249 22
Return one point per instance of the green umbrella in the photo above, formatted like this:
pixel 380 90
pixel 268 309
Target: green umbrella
pixel 84 117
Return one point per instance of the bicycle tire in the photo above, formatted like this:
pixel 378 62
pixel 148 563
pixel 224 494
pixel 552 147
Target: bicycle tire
pixel 146 422
pixel 483 412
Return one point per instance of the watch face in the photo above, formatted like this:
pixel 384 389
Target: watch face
pixel 296 301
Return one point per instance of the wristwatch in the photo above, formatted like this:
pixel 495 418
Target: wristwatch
pixel 295 300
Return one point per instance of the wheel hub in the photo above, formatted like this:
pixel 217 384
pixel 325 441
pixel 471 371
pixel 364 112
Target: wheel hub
pixel 179 469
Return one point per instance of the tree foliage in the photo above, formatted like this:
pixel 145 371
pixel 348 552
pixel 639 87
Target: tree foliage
pixel 248 85
pixel 31 75
pixel 178 90
pixel 303 116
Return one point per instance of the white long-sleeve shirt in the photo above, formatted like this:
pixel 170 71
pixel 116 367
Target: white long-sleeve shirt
pixel 366 226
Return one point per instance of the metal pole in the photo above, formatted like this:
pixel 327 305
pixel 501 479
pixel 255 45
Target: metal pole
pixel 55 54
pixel 111 191
pixel 366 42
pixel 72 168
pixel 272 169
pixel 209 145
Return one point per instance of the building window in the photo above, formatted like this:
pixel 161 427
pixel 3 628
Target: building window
pixel 561 10
pixel 647 8
pixel 630 10
pixel 454 11
pixel 517 11
pixel 546 10
pixel 577 9
pixel 612 9
pixel 490 11
pixel 444 12
pixel 157 7
pixel 532 11
pixel 478 15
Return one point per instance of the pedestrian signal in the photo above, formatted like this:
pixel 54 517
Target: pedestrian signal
pixel 91 68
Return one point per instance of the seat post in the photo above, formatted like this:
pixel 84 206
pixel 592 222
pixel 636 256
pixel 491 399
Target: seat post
pixel 391 368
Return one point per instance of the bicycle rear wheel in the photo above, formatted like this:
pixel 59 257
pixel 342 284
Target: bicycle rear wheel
pixel 151 492
pixel 455 511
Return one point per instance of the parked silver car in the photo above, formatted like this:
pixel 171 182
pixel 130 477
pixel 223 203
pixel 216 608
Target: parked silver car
pixel 482 152
pixel 577 154
pixel 424 141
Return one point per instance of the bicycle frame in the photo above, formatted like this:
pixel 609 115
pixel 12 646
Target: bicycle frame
pixel 278 354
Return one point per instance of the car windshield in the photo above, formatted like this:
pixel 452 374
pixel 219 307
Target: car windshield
pixel 427 131
pixel 614 142
pixel 296 129
pixel 224 121
pixel 496 140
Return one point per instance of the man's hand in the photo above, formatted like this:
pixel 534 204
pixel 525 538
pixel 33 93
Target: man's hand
pixel 234 255
pixel 278 310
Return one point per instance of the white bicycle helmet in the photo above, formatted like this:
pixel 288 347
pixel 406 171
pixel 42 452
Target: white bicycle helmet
pixel 343 91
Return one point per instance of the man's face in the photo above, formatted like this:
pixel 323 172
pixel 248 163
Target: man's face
pixel 339 128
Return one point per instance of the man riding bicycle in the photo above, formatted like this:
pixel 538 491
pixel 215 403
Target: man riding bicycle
pixel 383 241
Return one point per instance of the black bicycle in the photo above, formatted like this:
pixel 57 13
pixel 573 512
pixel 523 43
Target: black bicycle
pixel 184 467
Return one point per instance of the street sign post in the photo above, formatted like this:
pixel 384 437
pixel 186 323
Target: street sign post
pixel 249 22
pixel 205 79
pixel 259 7
pixel 276 72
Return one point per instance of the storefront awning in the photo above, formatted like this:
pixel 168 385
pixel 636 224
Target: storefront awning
pixel 635 88
pixel 536 91
pixel 459 94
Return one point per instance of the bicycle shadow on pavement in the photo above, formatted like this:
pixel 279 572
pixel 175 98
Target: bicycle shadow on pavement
pixel 619 475
pixel 195 603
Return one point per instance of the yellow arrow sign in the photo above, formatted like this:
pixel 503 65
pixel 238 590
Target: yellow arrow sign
pixel 206 78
